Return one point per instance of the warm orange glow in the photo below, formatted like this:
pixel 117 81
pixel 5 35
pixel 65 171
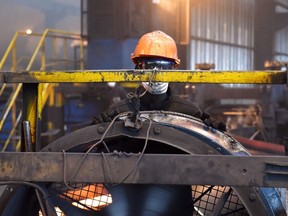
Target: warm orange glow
pixel 95 196
pixel 89 191
pixel 95 203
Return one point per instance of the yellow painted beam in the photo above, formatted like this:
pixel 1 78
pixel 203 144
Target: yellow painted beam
pixel 241 77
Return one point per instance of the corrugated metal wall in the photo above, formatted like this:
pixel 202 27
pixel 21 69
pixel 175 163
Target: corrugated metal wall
pixel 281 45
pixel 222 33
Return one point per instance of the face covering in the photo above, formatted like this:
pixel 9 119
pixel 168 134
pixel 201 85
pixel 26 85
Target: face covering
pixel 157 87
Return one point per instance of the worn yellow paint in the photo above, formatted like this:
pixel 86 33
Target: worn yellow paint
pixel 31 117
pixel 40 103
pixel 89 76
pixel 241 77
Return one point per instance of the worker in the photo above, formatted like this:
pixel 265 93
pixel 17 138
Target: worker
pixel 156 50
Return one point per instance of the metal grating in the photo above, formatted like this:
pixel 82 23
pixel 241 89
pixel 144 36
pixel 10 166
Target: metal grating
pixel 91 197
pixel 207 197
pixel 95 197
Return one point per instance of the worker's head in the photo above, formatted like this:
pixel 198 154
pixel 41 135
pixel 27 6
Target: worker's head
pixel 155 50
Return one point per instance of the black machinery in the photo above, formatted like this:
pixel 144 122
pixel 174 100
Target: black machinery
pixel 129 190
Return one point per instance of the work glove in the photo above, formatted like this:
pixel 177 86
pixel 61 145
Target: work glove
pixel 212 122
pixel 105 116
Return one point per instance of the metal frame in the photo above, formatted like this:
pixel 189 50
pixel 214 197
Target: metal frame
pixel 254 171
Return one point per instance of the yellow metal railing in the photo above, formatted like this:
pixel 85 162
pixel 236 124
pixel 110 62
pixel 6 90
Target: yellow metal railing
pixel 182 76
pixel 215 77
pixel 48 33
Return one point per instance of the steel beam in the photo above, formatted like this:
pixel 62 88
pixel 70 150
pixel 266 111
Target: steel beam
pixel 184 76
pixel 264 171
pixel 32 112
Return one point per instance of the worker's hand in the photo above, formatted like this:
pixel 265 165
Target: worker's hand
pixel 212 122
pixel 105 116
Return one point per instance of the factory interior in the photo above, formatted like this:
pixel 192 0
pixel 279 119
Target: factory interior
pixel 57 161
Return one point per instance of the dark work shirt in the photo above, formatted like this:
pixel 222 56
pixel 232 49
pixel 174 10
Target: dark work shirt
pixel 165 102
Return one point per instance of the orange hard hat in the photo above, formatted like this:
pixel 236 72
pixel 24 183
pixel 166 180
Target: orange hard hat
pixel 156 44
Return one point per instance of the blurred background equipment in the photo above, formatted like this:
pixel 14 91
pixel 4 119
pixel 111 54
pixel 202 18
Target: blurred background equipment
pixel 219 35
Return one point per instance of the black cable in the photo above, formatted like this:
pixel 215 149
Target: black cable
pixel 137 162
pixel 87 152
pixel 45 196
pixel 126 114
pixel 97 143
pixel 142 153
pixel 103 136
pixel 40 203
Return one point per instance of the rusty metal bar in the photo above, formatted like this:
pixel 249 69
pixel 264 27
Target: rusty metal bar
pixel 264 171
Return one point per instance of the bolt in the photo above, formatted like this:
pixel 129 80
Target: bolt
pixel 244 171
pixel 256 189
pixel 252 197
pixel 101 129
pixel 157 130
pixel 233 144
pixel 10 189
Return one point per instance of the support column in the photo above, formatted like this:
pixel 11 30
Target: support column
pixel 32 113
pixel 264 32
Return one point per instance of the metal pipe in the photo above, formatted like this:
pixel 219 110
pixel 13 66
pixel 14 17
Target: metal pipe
pixel 27 136
pixel 43 57
pixel 54 52
pixel 9 104
pixel 2 88
pixel 11 45
pixel 14 57
pixel 81 55
pixel 12 132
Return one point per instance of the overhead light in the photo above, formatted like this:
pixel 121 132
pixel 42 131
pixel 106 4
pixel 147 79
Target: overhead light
pixel 28 31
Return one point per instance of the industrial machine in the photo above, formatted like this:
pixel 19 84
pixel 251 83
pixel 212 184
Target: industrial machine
pixel 163 164
pixel 161 133
pixel 166 164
